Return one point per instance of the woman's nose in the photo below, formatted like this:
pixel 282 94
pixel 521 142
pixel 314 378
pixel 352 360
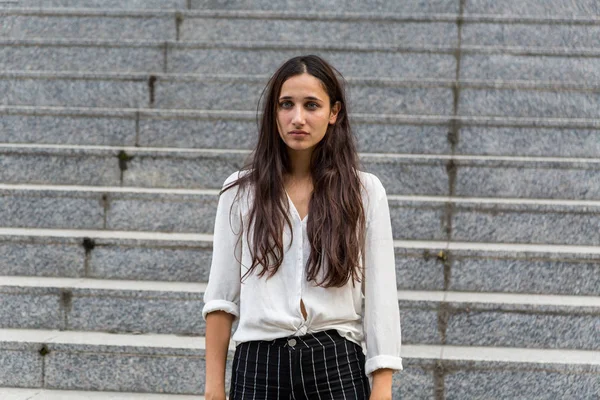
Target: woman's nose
pixel 298 116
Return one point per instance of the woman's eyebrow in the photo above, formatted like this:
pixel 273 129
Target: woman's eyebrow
pixel 306 98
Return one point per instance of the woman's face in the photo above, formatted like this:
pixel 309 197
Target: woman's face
pixel 303 112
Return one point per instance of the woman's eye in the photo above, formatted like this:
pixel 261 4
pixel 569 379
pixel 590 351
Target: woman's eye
pixel 312 106
pixel 285 104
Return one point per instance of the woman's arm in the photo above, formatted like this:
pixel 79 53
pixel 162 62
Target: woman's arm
pixel 218 334
pixel 381 317
pixel 382 384
pixel 222 295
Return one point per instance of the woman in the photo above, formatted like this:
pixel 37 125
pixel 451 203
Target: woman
pixel 301 236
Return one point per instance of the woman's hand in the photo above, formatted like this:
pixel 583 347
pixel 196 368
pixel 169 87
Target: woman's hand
pixel 215 394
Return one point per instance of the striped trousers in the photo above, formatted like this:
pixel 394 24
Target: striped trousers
pixel 316 366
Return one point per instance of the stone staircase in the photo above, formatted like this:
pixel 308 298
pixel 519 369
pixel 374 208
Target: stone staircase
pixel 120 120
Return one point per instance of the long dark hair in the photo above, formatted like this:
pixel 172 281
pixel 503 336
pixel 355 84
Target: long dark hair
pixel 336 220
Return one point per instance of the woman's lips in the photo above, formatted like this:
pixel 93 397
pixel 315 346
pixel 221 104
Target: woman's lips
pixel 299 133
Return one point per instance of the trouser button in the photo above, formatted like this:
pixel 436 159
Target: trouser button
pixel 292 342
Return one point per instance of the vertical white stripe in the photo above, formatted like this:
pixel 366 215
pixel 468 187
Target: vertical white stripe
pixel 291 381
pixel 325 361
pixel 302 375
pixel 235 379
pixel 337 364
pixel 256 370
pixel 267 376
pixel 246 370
pixel 278 369
pixel 361 374
pixel 351 370
pixel 314 372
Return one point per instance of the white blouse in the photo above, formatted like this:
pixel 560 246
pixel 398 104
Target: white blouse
pixel 270 309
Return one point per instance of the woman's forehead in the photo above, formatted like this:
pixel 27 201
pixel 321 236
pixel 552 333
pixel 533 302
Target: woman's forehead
pixel 303 86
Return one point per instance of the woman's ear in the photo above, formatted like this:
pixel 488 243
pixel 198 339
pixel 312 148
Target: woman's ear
pixel 335 110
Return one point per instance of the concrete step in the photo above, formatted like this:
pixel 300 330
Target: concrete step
pixel 516 8
pixel 140 363
pixel 241 93
pixel 343 28
pixel 507 31
pixel 45 394
pixel 263 57
pixel 87 24
pixel 236 130
pixel 100 4
pixel 102 305
pixel 420 265
pixel 413 217
pixel 512 8
pixel 469 319
pixel 221 57
pixel 400 27
pixel 403 174
pixel 362 7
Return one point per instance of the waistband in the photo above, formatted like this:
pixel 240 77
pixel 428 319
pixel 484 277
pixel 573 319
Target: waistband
pixel 322 338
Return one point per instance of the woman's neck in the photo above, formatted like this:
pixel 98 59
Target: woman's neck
pixel 299 165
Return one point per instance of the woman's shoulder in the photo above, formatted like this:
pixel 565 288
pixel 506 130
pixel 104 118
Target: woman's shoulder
pixel 371 183
pixel 235 176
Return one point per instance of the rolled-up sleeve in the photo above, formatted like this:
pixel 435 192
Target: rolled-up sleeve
pixel 223 289
pixel 381 321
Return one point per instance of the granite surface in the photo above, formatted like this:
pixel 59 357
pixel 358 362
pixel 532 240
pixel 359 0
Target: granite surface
pixel 189 171
pixel 526 224
pixel 387 63
pixel 310 31
pixel 124 372
pixel 59 211
pixel 31 308
pixel 55 129
pixel 402 138
pixel 544 273
pixel 93 27
pixel 522 327
pixel 577 181
pixel 20 368
pixel 419 270
pixel 199 94
pixel 21 257
pixel 127 369
pixel 510 67
pixel 528 103
pixel 237 133
pixel 56 168
pixel 533 383
pixel 243 95
pixel 546 34
pixel 554 8
pixel 414 382
pixel 74 92
pixel 419 322
pixel 516 141
pixel 124 311
pixel 151 262
pixel 106 4
pixel 417 220
pixel 409 6
pixel 409 176
pixel 162 214
pixel 224 133
pixel 81 58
